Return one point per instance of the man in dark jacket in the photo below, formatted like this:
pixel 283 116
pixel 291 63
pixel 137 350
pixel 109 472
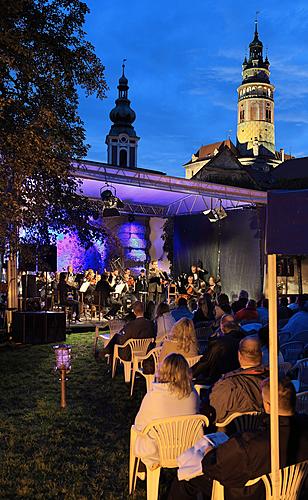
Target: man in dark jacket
pixel 248 455
pixel 221 356
pixel 239 390
pixel 139 328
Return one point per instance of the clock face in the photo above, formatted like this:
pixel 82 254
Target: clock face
pixel 123 138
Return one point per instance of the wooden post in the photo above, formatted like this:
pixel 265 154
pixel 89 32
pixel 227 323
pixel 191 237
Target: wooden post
pixel 63 395
pixel 273 361
pixel 12 300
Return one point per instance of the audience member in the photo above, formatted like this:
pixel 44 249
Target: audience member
pixel 284 312
pixel 181 311
pixel 299 321
pixel 222 306
pixel 138 328
pixel 241 302
pixel 219 331
pixel 263 335
pixel 263 312
pixel 239 390
pixel 171 396
pixel 204 312
pixel 164 321
pixel 221 356
pixel 182 340
pixel 249 313
pixel 247 455
pixel 293 305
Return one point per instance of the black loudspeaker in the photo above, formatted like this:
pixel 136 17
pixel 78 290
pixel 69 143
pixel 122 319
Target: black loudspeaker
pixel 47 258
pixel 27 258
pixel 28 284
pixel 38 327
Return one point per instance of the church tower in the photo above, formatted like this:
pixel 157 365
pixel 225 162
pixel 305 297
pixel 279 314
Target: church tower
pixel 255 123
pixel 122 139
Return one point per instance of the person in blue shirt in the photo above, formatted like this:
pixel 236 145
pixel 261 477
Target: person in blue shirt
pixel 299 321
pixel 263 312
pixel 181 311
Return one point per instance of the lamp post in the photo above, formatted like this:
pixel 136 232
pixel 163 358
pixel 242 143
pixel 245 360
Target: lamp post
pixel 63 363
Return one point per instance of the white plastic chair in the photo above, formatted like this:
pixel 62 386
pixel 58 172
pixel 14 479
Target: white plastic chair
pixel 173 436
pixel 291 480
pixel 302 402
pixel 292 350
pixel 193 360
pixel 301 384
pixel 138 347
pixel 137 368
pixel 245 421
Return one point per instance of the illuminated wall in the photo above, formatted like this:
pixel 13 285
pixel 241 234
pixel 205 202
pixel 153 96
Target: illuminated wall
pixel 133 247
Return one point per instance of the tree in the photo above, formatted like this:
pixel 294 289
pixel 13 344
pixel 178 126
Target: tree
pixel 44 59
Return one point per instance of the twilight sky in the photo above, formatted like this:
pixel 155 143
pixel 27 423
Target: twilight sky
pixel 184 66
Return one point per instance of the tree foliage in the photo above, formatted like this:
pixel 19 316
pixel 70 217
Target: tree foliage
pixel 44 59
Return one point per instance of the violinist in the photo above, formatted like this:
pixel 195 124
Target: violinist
pixel 90 277
pixel 129 280
pixel 156 277
pixel 141 282
pixel 198 275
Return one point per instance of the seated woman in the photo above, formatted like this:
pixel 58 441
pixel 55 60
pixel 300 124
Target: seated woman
pixel 171 396
pixel 164 321
pixel 204 312
pixel 182 340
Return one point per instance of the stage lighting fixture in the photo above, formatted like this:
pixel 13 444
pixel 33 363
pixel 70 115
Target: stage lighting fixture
pixel 216 214
pixel 111 203
pixel 221 213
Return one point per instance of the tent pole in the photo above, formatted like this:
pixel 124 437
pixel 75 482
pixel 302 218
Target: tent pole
pixel 273 361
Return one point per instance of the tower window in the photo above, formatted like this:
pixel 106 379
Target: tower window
pixel 242 115
pixel 123 158
pixel 268 115
pixel 114 155
pixel 132 156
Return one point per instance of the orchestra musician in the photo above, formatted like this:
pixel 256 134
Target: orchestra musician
pixel 90 277
pixel 141 284
pixel 129 280
pixel 114 278
pixel 198 275
pixel 191 287
pixel 213 287
pixel 67 293
pixel 104 288
pixel 157 279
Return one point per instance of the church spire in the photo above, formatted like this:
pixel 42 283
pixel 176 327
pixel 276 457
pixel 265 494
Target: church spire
pixel 122 139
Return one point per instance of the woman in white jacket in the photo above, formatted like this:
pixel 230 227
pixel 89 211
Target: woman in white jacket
pixel 171 396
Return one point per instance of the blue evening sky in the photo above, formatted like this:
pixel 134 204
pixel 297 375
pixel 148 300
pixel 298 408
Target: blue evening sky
pixel 184 65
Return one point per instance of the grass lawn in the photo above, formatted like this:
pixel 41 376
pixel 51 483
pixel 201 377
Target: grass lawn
pixel 78 453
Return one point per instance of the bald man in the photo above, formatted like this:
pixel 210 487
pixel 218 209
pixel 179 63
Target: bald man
pixel 239 390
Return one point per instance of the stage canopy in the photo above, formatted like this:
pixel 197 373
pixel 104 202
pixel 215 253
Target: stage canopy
pixel 146 192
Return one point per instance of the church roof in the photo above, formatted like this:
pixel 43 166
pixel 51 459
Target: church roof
pixel 209 150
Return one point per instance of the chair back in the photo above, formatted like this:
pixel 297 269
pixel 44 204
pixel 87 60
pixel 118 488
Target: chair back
pixel 192 360
pixel 283 337
pixel 291 480
pixel 302 402
pixel 300 336
pixel 243 422
pixel 291 351
pixel 115 326
pixel 203 332
pixel 302 366
pixel 139 347
pixel 174 435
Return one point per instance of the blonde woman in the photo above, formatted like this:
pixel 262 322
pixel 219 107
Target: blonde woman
pixel 171 396
pixel 182 339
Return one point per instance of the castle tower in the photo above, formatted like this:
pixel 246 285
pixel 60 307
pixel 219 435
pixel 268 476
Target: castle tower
pixel 122 139
pixel 255 123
